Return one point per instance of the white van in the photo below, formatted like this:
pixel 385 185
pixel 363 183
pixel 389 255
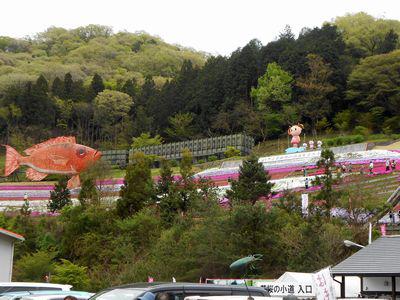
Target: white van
pixel 7 287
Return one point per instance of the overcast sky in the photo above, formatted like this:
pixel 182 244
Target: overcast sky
pixel 214 26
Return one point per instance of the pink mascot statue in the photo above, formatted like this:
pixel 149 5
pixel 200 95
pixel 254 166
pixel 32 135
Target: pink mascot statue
pixel 295 132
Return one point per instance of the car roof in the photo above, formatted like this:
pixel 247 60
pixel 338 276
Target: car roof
pixel 35 284
pixel 157 286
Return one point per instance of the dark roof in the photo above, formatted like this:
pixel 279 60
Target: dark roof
pixel 11 234
pixel 380 258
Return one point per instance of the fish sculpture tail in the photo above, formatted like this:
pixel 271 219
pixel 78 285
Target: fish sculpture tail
pixel 12 160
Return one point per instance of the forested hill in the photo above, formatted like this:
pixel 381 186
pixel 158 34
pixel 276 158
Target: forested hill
pixel 92 49
pixel 107 88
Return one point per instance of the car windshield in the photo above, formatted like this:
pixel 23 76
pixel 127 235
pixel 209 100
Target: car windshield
pixel 119 294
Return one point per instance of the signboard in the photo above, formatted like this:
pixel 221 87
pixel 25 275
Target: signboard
pixel 304 204
pixel 288 288
pixel 323 281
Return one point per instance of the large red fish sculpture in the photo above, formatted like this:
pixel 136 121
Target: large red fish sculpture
pixel 60 155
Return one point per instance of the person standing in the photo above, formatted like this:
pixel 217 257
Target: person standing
pixel 350 168
pixel 387 164
pixel 371 167
pixel 393 165
pixel 306 183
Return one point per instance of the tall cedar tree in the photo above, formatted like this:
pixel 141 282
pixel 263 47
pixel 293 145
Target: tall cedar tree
pixel 327 194
pixel 96 86
pixel 68 83
pixel 253 183
pixel 167 192
pixel 57 88
pixel 61 195
pixel 130 87
pixel 88 193
pixel 187 185
pixel 137 190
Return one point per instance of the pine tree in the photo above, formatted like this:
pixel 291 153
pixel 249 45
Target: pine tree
pixel 130 87
pixel 88 193
pixel 96 86
pixel 68 83
pixel 137 190
pixel 187 186
pixel 389 43
pixel 61 195
pixel 327 194
pixel 253 183
pixel 167 193
pixel 57 88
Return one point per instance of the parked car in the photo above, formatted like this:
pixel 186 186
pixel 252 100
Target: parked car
pixel 231 298
pixel 45 295
pixel 173 291
pixel 7 287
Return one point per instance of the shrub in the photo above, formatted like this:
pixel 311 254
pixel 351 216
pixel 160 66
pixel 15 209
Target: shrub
pixel 212 158
pixel 231 152
pixel 34 267
pixel 361 130
pixel 68 273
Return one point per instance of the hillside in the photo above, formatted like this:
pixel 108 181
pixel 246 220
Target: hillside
pixel 92 49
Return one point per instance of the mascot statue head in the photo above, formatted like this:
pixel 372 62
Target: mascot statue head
pixel 295 132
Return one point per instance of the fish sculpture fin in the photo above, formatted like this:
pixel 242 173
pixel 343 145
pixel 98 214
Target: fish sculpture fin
pixel 12 160
pixel 34 175
pixel 57 140
pixel 58 160
pixel 74 182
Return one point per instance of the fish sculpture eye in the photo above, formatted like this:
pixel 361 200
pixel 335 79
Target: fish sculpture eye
pixel 81 152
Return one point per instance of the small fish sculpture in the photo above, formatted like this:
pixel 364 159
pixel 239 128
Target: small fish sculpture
pixel 60 155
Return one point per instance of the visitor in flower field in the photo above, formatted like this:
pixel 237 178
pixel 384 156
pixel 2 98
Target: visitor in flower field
pixel 393 165
pixel 371 167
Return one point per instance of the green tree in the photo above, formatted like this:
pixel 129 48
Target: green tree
pixel 316 87
pixel 96 86
pixel 253 183
pixel 111 113
pixel 57 88
pixel 130 87
pixel 61 195
pixel 389 43
pixel 181 127
pixel 68 86
pixel 365 32
pixel 88 193
pixel 327 194
pixel 372 87
pixel 231 152
pixel 167 193
pixel 67 272
pixel 34 266
pixel 186 183
pixel 137 190
pixel 145 139
pixel 274 89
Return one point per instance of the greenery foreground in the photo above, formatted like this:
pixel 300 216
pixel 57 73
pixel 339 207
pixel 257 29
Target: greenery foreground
pixel 177 228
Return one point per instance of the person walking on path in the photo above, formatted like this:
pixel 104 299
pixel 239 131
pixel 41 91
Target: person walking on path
pixel 371 167
pixel 393 165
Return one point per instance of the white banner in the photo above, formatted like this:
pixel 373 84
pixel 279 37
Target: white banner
pixel 304 204
pixel 280 289
pixel 323 282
